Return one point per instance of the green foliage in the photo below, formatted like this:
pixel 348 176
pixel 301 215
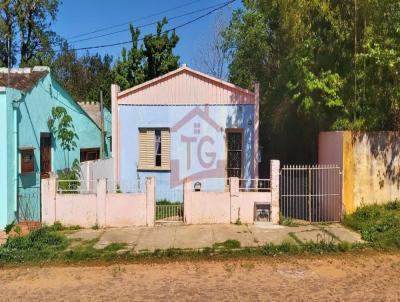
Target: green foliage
pixel 31 21
pixel 228 244
pixel 9 227
pixel 69 178
pixel 61 126
pixel 287 221
pixel 322 65
pixel 84 76
pixel 378 224
pixel 43 243
pixel 145 62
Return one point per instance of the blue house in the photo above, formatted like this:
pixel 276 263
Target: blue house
pixel 184 124
pixel 28 150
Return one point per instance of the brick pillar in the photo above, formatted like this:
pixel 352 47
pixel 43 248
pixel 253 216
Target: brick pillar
pixel 101 196
pixel 234 198
pixel 274 174
pixel 48 196
pixel 150 200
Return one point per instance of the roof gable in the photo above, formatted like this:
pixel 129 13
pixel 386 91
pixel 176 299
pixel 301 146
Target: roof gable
pixel 185 86
pixel 23 79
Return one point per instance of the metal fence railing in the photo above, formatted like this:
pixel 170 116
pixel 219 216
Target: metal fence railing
pixel 76 186
pixel 311 193
pixel 169 212
pixel 137 186
pixel 254 185
pixel 28 201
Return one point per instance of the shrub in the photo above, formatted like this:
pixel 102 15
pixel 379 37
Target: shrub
pixel 378 224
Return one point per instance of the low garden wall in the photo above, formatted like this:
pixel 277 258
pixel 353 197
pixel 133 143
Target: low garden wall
pixel 231 206
pixel 99 208
pixel 96 206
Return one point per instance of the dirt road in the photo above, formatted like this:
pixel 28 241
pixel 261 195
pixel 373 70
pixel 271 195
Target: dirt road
pixel 365 277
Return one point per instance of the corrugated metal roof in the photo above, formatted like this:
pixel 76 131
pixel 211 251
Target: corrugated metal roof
pixel 185 86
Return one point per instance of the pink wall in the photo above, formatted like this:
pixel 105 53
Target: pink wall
pixel 76 209
pixel 330 148
pixel 209 207
pixel 125 209
pixel 102 208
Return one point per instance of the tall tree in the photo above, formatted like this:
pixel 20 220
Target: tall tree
pixel 7 31
pixel 143 62
pixel 322 65
pixel 35 37
pixel 84 76
pixel 158 52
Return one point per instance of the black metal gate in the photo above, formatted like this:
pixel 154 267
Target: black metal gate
pixel 311 193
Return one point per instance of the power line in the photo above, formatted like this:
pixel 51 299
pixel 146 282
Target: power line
pixel 135 20
pixel 166 31
pixel 148 24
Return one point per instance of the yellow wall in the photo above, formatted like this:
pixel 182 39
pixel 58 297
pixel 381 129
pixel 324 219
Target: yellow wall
pixel 371 166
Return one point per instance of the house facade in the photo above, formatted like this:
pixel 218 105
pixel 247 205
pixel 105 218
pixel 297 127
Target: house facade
pixel 28 151
pixel 184 124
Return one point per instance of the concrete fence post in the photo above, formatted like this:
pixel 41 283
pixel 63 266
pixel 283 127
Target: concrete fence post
pixel 48 196
pixel 150 200
pixel 187 200
pixel 101 211
pixel 234 199
pixel 274 174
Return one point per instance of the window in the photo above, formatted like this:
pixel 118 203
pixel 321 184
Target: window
pixel 27 160
pixel 90 154
pixel 234 152
pixel 154 149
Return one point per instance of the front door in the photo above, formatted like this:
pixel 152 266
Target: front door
pixel 45 155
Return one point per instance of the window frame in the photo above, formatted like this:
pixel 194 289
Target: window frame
pixel 154 167
pixel 234 130
pixel 87 151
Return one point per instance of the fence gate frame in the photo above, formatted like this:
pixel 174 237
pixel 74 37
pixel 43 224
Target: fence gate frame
pixel 169 203
pixel 311 193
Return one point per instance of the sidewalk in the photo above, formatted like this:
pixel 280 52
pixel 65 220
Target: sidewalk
pixel 141 239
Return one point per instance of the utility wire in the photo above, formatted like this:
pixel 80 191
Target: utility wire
pixel 166 31
pixel 135 20
pixel 148 24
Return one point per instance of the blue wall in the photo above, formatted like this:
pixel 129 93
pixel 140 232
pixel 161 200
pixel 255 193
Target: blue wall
pixel 3 160
pixel 226 116
pixel 33 114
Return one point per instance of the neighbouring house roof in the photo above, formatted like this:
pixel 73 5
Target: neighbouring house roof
pixel 93 110
pixel 185 86
pixel 23 79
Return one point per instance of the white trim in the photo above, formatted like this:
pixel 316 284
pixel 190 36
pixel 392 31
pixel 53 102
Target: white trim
pixel 2 89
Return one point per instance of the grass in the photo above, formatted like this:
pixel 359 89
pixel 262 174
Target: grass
pixel 378 224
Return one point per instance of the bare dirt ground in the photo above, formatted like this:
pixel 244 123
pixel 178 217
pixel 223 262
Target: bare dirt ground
pixel 342 277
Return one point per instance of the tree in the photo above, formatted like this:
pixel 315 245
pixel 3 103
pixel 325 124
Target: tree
pixel 61 126
pixel 34 20
pixel 83 77
pixel 31 20
pixel 158 52
pixel 147 61
pixel 321 64
pixel 7 31
pixel 212 53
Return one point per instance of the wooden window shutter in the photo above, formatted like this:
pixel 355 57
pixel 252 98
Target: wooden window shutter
pixel 165 149
pixel 146 149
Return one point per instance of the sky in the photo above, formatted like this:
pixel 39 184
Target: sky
pixel 77 17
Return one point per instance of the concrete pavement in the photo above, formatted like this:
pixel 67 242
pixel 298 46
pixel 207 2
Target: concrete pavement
pixel 140 239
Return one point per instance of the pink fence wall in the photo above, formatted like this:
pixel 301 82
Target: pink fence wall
pixel 104 209
pixel 138 209
pixel 228 207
